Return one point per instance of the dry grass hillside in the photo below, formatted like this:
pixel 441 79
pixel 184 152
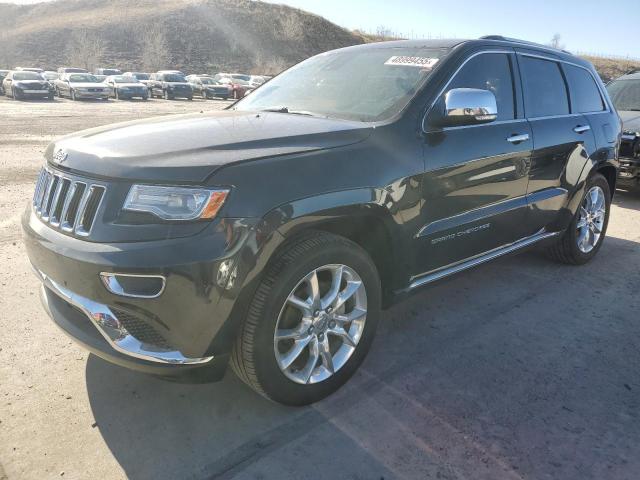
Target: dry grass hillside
pixel 192 35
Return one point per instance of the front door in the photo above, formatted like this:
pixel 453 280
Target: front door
pixel 475 183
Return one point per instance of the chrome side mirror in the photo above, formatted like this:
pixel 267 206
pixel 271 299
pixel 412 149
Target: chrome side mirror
pixel 467 106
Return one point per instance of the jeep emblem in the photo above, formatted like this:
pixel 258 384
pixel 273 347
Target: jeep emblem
pixel 60 156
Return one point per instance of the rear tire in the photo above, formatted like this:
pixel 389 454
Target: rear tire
pixel 569 249
pixel 257 358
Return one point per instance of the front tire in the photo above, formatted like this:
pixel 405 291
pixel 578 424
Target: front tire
pixel 584 237
pixel 311 321
pixel 73 95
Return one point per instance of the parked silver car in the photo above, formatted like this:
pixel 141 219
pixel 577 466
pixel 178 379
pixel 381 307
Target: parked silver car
pixel 81 85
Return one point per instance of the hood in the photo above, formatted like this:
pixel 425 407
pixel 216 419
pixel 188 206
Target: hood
pixel 189 148
pixel 32 83
pixel 630 121
pixel 88 85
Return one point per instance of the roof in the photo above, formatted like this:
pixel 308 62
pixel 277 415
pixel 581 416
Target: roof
pixel 497 40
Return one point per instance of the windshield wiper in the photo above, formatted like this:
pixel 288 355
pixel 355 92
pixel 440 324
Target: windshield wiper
pixel 286 110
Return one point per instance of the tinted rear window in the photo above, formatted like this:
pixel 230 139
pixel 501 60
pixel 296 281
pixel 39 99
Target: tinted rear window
pixel 545 92
pixel 585 95
pixel 489 71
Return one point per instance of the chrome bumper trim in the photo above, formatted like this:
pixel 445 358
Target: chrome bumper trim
pixel 113 331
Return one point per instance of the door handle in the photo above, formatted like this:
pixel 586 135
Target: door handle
pixel 518 138
pixel 582 128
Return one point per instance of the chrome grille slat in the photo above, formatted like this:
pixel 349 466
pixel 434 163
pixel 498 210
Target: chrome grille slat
pixel 48 197
pixel 81 208
pixel 65 203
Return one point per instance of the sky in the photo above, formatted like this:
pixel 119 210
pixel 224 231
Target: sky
pixel 609 27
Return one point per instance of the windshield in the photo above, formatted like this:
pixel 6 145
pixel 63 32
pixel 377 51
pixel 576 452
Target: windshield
pixel 125 80
pixel 141 76
pixel 245 78
pixel 83 78
pixel 625 94
pixel 173 78
pixel 362 84
pixel 27 76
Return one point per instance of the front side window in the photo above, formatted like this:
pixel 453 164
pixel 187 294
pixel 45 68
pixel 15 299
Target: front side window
pixel 585 95
pixel 370 84
pixel 489 71
pixel 545 93
pixel 625 94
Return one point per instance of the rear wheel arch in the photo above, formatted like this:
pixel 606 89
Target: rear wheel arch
pixel 611 174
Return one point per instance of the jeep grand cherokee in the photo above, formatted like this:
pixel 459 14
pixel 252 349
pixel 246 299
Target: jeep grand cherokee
pixel 270 235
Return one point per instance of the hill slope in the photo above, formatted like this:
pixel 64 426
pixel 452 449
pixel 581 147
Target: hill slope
pixel 195 35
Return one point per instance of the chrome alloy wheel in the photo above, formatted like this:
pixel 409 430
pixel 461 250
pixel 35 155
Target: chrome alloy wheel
pixel 591 221
pixel 320 324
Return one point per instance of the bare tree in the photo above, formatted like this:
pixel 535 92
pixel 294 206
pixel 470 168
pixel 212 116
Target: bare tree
pixel 556 42
pixel 84 49
pixel 154 48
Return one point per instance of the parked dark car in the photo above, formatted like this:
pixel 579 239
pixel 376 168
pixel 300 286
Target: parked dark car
pixel 127 88
pixel 3 74
pixel 270 235
pixel 107 71
pixel 207 87
pixel 79 86
pixel 170 86
pixel 24 84
pixel 625 94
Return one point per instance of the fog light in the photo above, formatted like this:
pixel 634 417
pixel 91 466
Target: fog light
pixel 133 285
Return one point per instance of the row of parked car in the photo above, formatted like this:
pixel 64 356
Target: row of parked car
pixel 104 83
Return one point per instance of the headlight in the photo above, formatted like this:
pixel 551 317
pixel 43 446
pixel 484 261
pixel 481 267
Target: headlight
pixel 176 203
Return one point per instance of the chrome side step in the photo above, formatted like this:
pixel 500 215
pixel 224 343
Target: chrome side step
pixel 443 272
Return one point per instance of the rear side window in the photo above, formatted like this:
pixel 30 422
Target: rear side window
pixel 489 71
pixel 585 95
pixel 545 92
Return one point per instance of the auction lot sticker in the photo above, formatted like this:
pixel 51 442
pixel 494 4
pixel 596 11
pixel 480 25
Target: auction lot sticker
pixel 404 61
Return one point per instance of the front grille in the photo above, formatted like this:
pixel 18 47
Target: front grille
pixel 67 204
pixel 140 330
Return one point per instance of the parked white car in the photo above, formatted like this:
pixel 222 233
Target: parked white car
pixel 77 86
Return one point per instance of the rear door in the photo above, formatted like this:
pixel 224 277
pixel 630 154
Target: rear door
pixel 563 139
pixel 475 182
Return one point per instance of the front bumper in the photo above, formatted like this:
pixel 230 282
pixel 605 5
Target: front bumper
pixel 35 93
pixel 134 94
pixel 92 95
pixel 190 326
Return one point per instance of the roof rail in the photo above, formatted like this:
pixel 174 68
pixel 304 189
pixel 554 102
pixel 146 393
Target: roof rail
pixel 524 42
